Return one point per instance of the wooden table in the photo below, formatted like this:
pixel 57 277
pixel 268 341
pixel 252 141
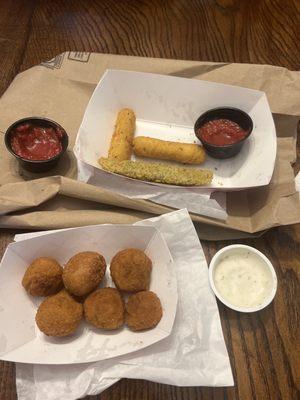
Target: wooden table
pixel 264 347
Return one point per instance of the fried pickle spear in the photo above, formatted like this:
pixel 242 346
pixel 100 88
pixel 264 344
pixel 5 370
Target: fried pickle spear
pixel 186 153
pixel 155 172
pixel 121 141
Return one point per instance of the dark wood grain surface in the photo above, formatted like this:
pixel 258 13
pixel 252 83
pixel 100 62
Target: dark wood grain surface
pixel 264 348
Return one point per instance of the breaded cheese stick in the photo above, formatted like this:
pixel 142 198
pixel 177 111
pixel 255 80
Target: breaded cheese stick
pixel 121 141
pixel 156 172
pixel 187 153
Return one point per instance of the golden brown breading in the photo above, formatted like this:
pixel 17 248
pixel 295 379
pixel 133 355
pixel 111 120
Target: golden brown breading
pixel 130 270
pixel 157 172
pixel 143 311
pixel 104 309
pixel 83 272
pixel 121 141
pixel 43 277
pixel 59 315
pixel 186 153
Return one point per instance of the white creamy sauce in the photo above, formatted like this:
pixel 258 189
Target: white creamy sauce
pixel 243 279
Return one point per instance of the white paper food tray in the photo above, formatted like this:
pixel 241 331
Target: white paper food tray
pixel 20 339
pixel 167 107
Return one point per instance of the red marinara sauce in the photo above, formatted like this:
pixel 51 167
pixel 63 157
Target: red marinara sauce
pixel 34 142
pixel 221 132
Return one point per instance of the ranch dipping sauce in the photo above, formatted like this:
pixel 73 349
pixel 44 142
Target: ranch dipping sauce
pixel 243 278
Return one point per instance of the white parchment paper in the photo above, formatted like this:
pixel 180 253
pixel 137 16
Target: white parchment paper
pixel 193 355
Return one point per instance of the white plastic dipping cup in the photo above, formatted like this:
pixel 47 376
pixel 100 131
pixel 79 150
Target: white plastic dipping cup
pixel 244 273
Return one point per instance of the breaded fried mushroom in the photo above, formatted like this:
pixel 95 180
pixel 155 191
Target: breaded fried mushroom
pixel 104 309
pixel 59 315
pixel 130 270
pixel 43 277
pixel 143 311
pixel 83 272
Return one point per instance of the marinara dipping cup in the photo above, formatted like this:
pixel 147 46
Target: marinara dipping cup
pixel 38 143
pixel 223 131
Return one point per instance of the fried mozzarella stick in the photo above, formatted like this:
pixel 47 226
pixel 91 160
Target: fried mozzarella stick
pixel 187 153
pixel 155 172
pixel 121 141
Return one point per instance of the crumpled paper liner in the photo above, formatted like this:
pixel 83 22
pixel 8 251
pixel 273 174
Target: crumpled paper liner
pixel 193 355
pixel 60 89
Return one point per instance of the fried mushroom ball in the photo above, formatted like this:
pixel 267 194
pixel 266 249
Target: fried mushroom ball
pixel 143 311
pixel 83 272
pixel 130 270
pixel 59 315
pixel 43 277
pixel 104 308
